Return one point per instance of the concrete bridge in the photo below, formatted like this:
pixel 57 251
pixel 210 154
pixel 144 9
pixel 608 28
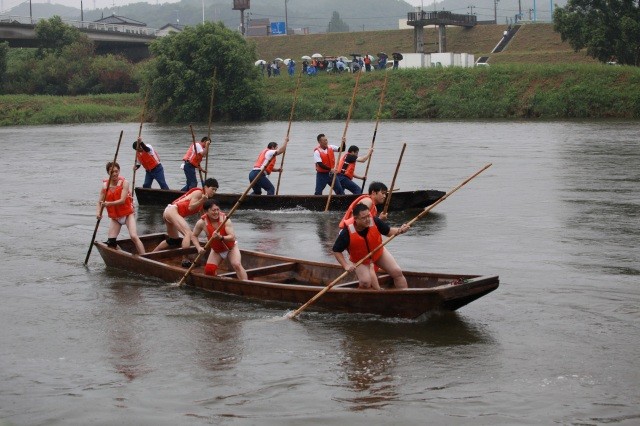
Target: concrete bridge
pixel 421 19
pixel 127 40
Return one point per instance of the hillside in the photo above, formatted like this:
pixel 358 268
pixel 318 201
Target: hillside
pixel 534 43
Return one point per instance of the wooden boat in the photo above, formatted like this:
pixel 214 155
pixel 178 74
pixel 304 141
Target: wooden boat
pixel 401 200
pixel 276 278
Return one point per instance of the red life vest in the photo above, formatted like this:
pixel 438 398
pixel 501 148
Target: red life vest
pixel 149 161
pixel 327 158
pixel 349 213
pixel 193 158
pixel 350 169
pixel 260 161
pixel 113 194
pixel 183 203
pixel 216 245
pixel 359 247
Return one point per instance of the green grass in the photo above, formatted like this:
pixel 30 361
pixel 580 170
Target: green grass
pixel 35 110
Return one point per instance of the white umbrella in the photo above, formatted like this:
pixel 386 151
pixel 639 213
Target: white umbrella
pixel 373 58
pixel 278 59
pixel 344 59
pixel 286 61
pixel 316 55
pixel 260 62
pixel 306 58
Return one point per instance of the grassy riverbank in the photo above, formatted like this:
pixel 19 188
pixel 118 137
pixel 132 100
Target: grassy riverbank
pixel 35 110
pixel 497 92
pixel 510 91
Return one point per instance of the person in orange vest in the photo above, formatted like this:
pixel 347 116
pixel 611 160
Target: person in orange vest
pixel 224 244
pixel 174 214
pixel 367 62
pixel 148 158
pixel 192 160
pixel 347 169
pixel 267 159
pixel 362 234
pixel 376 196
pixel 119 204
pixel 325 159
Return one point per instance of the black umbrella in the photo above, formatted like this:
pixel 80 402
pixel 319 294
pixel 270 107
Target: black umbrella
pixel 397 56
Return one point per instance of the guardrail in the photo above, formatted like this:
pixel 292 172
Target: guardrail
pixel 86 25
pixel 442 17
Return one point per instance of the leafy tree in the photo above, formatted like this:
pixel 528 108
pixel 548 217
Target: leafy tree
pixel 53 35
pixel 4 49
pixel 337 25
pixel 179 76
pixel 606 28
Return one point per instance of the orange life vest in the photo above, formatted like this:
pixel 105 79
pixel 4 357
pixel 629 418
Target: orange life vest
pixel 350 169
pixel 349 213
pixel 327 158
pixel 113 194
pixel 260 161
pixel 216 245
pixel 193 157
pixel 149 161
pixel 183 203
pixel 359 247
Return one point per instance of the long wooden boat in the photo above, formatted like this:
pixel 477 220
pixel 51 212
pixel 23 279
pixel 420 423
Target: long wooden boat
pixel 274 278
pixel 401 200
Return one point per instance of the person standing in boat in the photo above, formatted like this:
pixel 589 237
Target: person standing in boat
pixel 224 244
pixel 119 204
pixel 376 196
pixel 192 160
pixel 174 215
pixel 325 159
pixel 149 159
pixel 347 168
pixel 362 234
pixel 267 159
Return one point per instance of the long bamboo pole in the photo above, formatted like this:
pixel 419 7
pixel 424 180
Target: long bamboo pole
pixel 104 196
pixel 293 107
pixel 195 151
pixel 344 135
pixel 375 131
pixel 387 241
pixel 135 156
pixel 387 202
pixel 213 85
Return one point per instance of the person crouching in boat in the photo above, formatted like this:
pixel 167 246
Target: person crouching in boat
pixel 377 195
pixel 267 159
pixel 363 233
pixel 223 245
pixel 119 204
pixel 188 204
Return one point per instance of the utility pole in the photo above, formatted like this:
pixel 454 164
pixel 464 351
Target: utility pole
pixel 286 18
pixel 495 11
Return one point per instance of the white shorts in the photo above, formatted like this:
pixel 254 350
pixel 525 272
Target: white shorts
pixel 121 220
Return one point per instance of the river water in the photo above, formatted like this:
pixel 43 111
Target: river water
pixel 556 216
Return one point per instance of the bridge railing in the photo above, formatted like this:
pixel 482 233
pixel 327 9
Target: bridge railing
pixel 86 25
pixel 441 17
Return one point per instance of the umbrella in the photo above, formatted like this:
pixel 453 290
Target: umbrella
pixel 316 55
pixel 286 61
pixel 306 57
pixel 380 54
pixel 373 58
pixel 343 59
pixel 260 62
pixel 278 59
pixel 397 56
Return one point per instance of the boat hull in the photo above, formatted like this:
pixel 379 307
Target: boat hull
pixel 274 278
pixel 401 200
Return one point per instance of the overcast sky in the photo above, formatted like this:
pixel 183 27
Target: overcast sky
pixel 93 4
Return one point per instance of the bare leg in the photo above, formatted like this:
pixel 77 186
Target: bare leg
pixel 389 264
pixel 235 259
pixel 367 277
pixel 133 233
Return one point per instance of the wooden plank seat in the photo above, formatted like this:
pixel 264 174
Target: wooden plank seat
pixel 264 270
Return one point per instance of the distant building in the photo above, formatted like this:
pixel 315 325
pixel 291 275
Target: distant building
pixel 169 28
pixel 120 20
